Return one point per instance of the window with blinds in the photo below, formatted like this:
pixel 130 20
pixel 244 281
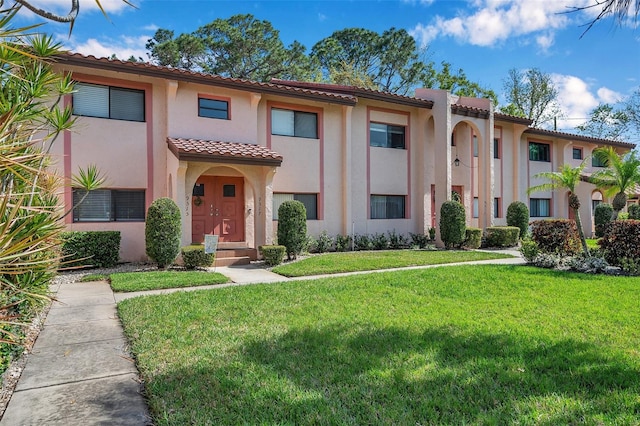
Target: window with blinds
pixel 213 108
pixel 299 124
pixel 388 207
pixel 93 100
pixel 310 202
pixel 108 205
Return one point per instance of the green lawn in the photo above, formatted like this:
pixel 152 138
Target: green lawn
pixel 155 280
pixel 452 345
pixel 332 263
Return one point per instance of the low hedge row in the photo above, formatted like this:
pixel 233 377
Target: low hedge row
pixel 194 257
pixel 98 249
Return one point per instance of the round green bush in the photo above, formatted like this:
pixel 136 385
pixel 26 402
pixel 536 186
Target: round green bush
pixel 602 216
pixel 634 211
pixel 518 215
pixel 292 227
pixel 452 224
pixel 162 231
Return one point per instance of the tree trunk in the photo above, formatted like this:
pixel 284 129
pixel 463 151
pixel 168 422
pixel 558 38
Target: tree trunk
pixel 619 203
pixel 583 240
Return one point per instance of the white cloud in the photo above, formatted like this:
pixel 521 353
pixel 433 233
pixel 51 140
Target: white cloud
pixel 491 22
pixel 577 99
pixel 123 47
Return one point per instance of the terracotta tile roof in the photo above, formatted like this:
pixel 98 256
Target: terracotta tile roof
pixel 359 91
pixel 147 69
pixel 223 152
pixel 512 118
pixel 469 111
pixel 570 136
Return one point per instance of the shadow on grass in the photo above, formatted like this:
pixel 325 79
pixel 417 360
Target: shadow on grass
pixel 392 376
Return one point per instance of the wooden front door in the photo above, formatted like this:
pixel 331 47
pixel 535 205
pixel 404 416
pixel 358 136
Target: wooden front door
pixel 218 208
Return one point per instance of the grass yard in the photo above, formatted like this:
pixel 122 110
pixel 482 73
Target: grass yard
pixel 457 345
pixel 332 263
pixel 156 280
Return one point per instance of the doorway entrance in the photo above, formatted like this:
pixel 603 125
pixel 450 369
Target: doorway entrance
pixel 217 204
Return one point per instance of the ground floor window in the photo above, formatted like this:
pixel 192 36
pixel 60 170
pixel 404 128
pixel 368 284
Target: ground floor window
pixel 540 207
pixel 108 205
pixel 497 207
pixel 310 202
pixel 388 206
pixel 476 207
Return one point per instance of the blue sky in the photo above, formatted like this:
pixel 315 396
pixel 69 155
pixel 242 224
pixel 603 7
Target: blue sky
pixel 483 37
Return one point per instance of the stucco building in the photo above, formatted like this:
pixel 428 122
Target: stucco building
pixel 229 151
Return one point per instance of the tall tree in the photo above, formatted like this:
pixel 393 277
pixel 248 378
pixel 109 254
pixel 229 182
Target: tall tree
pixel 566 178
pixel 620 176
pixel 240 47
pixel 186 51
pixel 531 94
pixel 391 60
pixel 457 83
pixel 605 122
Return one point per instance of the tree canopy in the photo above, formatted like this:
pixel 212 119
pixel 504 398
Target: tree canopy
pixel 605 122
pixel 531 94
pixel 244 47
pixel 239 47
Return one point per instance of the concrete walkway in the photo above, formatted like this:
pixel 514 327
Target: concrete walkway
pixel 80 371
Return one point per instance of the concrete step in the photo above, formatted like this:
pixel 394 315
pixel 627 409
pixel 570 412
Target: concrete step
pixel 251 253
pixel 232 260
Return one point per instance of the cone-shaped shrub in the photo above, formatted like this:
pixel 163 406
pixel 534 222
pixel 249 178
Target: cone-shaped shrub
pixel 518 215
pixel 292 227
pixel 452 224
pixel 162 231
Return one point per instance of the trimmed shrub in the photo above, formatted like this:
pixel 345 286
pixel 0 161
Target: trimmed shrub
pixel 502 236
pixel 518 215
pixel 323 243
pixel 556 236
pixel 379 242
pixel 452 224
pixel 397 241
pixel 273 254
pixel 529 250
pixel 602 216
pixel 99 249
pixel 343 242
pixel 419 240
pixel 292 227
pixel 162 231
pixel 194 257
pixel 473 238
pixel 362 242
pixel 623 216
pixel 634 211
pixel 432 234
pixel 622 241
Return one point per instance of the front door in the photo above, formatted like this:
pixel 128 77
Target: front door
pixel 218 208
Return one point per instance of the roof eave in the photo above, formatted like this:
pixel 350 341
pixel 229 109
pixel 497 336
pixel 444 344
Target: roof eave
pixel 195 78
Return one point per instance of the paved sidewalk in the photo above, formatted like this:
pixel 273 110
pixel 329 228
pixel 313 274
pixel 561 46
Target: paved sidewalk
pixel 79 372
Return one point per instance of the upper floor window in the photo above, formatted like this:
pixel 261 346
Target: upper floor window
pixel 286 122
pixel 496 148
pixel 386 135
pixel 387 206
pixel 577 153
pixel 213 108
pixel 310 202
pixel 475 145
pixel 107 205
pixel 539 152
pixel 93 100
pixel 596 162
